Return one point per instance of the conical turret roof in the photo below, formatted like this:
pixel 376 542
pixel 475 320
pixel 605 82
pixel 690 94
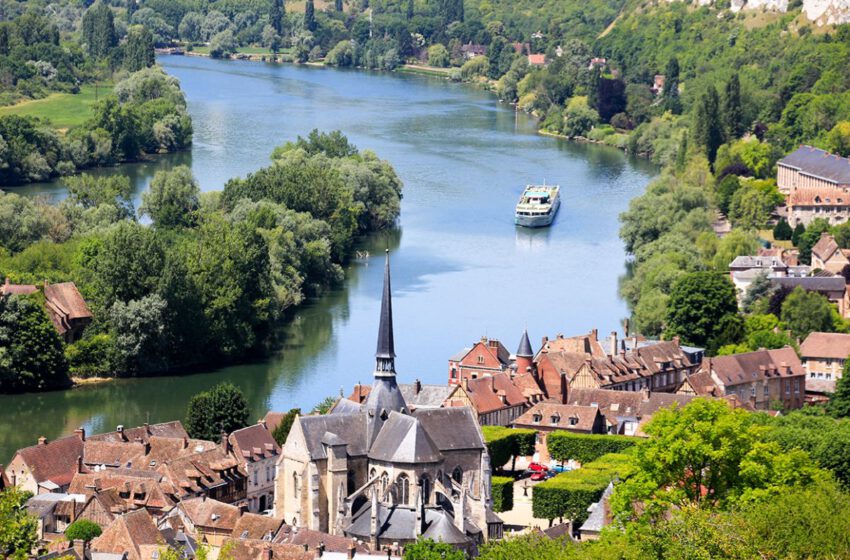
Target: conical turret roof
pixel 524 349
pixel 386 344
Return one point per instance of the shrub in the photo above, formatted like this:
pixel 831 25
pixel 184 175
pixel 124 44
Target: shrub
pixel 82 530
pixel 569 494
pixel 503 493
pixel 506 443
pixel 585 448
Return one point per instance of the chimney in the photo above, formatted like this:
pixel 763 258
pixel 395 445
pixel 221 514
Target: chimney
pixel 268 554
pixel 120 430
pixel 677 341
pixel 626 327
pixel 613 343
pixel 79 463
pixel 147 428
pixel 417 386
pixel 493 384
pixel 42 440
pixel 594 334
pixel 225 443
pixel 466 384
pixel 262 422
pixel 80 547
pixel 81 433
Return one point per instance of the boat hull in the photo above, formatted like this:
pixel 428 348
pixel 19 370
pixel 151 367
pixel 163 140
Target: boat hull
pixel 541 220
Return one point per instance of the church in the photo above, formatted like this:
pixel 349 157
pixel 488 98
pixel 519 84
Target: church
pixel 384 474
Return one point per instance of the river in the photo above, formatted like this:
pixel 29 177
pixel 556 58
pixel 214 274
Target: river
pixel 461 269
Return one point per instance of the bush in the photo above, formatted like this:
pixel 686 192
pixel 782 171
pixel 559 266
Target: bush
pixel 82 530
pixel 585 448
pixel 569 494
pixel 506 443
pixel 503 493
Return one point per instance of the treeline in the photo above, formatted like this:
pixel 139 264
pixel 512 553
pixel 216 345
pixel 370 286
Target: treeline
pixel 208 279
pixel 145 114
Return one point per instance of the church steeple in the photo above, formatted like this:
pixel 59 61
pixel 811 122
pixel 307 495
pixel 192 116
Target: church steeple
pixel 385 353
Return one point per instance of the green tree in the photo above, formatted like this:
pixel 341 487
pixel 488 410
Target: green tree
pixel 805 312
pixel 276 15
pixel 782 231
pixel 98 30
pixel 838 139
pixel 726 189
pixel 18 529
pixel 83 530
pixel 427 549
pixel 281 431
pixel 223 44
pixel 172 199
pixel 733 112
pixel 310 16
pixel 91 191
pixel 579 118
pixel 670 91
pixel 708 123
pixel 761 287
pixel 809 237
pixel 222 409
pixel 753 204
pixel 797 235
pixel 438 56
pixel 702 307
pixel 31 353
pixel 138 49
pixel 839 401
pixel 324 406
pixel 338 5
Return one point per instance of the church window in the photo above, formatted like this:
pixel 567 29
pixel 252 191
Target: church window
pixel 296 485
pixel 425 481
pixel 385 482
pixel 372 474
pixel 403 484
pixel 384 414
pixel 457 475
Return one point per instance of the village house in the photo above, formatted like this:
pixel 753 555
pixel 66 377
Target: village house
pixel 658 84
pixel 834 288
pixel 626 411
pixel 48 466
pixel 765 379
pixel 207 520
pixel 537 60
pixel 823 356
pixel 495 399
pixel 64 305
pixel 383 474
pixel 827 255
pixel 257 451
pixel 816 184
pixel 257 527
pixel 54 512
pixel 485 357
pixel 471 50
pixel 548 417
pixel 134 534
pixel 117 491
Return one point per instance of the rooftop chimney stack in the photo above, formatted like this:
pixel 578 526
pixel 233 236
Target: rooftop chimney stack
pixel 42 440
pixel 81 433
pixel 613 343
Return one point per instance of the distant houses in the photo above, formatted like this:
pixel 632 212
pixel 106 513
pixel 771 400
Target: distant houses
pixel 64 305
pixel 816 184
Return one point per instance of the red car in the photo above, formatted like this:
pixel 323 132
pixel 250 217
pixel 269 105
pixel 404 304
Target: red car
pixel 539 475
pixel 537 467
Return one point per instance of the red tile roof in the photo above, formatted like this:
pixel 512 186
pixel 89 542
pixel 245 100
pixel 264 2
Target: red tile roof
pixel 259 550
pixel 55 461
pixel 332 543
pixel 253 443
pixel 755 366
pixel 254 526
pixel 487 393
pixel 128 533
pixel 571 417
pixel 826 345
pixel 209 513
pixel 17 289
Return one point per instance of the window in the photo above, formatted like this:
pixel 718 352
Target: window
pixel 454 373
pixel 457 475
pixel 796 386
pixel 480 359
pixel 403 485
pixel 537 418
pixel 296 485
pixel 385 482
pixel 425 481
pixel 573 420
pixel 255 475
pixel 787 387
pixel 766 390
pixel 556 418
pixel 753 391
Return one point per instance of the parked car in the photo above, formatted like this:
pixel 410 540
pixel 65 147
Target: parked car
pixel 561 468
pixel 537 467
pixel 540 475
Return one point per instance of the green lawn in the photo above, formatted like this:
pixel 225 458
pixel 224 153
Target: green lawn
pixel 63 110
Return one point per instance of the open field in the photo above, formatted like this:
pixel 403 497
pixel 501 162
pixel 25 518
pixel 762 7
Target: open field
pixel 63 110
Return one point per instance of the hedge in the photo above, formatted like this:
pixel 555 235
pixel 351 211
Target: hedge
pixel 505 443
pixel 503 493
pixel 569 494
pixel 585 448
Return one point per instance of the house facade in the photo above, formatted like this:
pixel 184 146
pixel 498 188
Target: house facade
pixel 548 417
pixel 816 184
pixel 827 255
pixel 823 356
pixel 495 399
pixel 258 452
pixel 485 357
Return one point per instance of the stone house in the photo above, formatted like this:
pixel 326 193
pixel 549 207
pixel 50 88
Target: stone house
pixel 257 451
pixel 495 399
pixel 486 357
pixel 816 184
pixel 626 411
pixel 48 466
pixel 827 255
pixel 823 356
pixel 834 288
pixel 763 378
pixel 208 520
pixel 547 417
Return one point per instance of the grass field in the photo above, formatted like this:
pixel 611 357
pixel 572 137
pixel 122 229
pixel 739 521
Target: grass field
pixel 63 110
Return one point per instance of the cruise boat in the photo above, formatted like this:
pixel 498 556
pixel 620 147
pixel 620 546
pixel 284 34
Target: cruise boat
pixel 538 205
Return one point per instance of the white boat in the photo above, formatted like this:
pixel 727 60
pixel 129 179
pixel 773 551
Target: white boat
pixel 538 205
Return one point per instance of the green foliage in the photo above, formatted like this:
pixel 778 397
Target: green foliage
pixel 138 49
pixel 98 30
pixel 808 237
pixel 222 409
pixel 708 126
pixel 172 199
pixel 18 529
pixel 584 448
pixel 839 401
pixel 505 444
pixel 324 406
pixel 31 356
pixel 427 549
pixel 703 310
pixel 438 56
pixel 570 493
pixel 579 118
pixel 838 139
pixel 281 431
pixel 82 530
pixel 782 231
pixel 502 493
pixel 805 312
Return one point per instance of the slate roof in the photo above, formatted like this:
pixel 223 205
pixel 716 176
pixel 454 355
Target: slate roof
pixel 386 344
pixel 404 440
pixel 55 461
pixel 599 512
pixel 585 416
pixel 818 163
pixel 443 529
pixel 524 350
pixel 813 283
pixel 451 428
pixel 399 523
pixel 254 526
pixel 825 247
pixel 351 428
pixel 826 345
pixel 746 262
pixel 416 395
pixel 253 443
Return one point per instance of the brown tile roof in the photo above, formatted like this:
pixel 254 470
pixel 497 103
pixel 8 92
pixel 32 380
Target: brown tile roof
pixel 755 366
pixel 357 395
pixel 586 343
pixel 17 289
pixel 636 404
pixel 199 472
pixel 332 543
pixel 529 385
pixel 825 247
pixel 133 488
pixel 585 417
pixel 826 345
pixel 253 443
pixel 486 393
pixel 820 196
pixel 65 304
pixel 254 526
pixel 258 550
pixel 209 513
pixel 126 455
pixel 172 429
pixel 55 460
pixel 128 533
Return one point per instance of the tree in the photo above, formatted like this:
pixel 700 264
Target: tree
pixel 805 312
pixel 325 405
pixel 438 56
pixel 222 409
pixel 699 304
pixel 276 15
pixel 733 112
pixel 782 231
pixel 31 352
pixel 838 139
pixel 799 230
pixel 310 16
pixel 839 401
pixel 708 123
pixel 138 49
pixel 223 44
pixel 18 529
pixel 82 530
pixel 338 5
pixel 579 118
pixel 670 91
pixel 809 237
pixel 759 288
pixel 409 10
pixel 172 199
pixel 98 30
pixel 190 28
pixel 427 549
pixel 281 431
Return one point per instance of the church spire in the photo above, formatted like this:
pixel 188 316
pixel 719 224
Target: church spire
pixel 385 353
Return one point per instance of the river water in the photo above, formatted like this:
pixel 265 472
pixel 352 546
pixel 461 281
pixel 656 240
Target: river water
pixel 461 269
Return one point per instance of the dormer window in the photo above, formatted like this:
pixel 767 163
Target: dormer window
pixel 537 418
pixel 480 359
pixel 556 418
pixel 573 420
